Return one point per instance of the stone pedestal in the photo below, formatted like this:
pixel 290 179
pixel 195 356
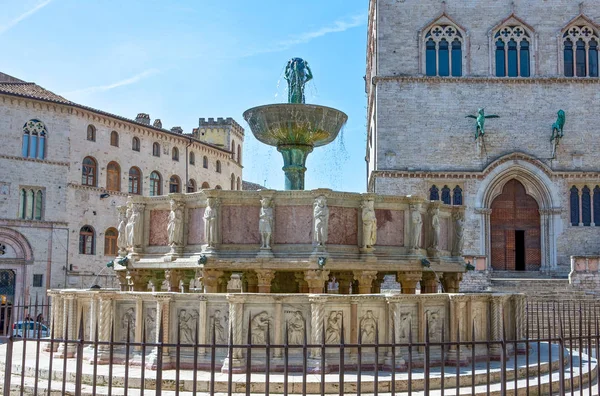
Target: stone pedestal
pixel 365 280
pixel 408 281
pixel 264 277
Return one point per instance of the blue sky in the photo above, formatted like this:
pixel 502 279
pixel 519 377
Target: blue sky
pixel 180 60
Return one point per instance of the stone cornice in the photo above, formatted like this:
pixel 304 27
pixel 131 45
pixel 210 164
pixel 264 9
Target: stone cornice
pixel 97 189
pixel 487 80
pixel 40 161
pixel 32 223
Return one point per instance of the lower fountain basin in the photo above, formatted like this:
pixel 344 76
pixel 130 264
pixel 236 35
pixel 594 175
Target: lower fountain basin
pixel 295 124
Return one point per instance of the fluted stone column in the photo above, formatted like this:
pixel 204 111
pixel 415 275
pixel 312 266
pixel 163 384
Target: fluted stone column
pixel 317 309
pixel 105 323
pixel 202 322
pixel 56 318
pixel 429 283
pixel 278 328
pixel 163 320
pixel 365 281
pixel 236 329
pixel 497 311
pixel 408 281
pixel 210 279
pixel 139 320
pixel 458 328
pixel 316 280
pixel 265 277
pixel 69 326
pixel 394 305
pixel 519 303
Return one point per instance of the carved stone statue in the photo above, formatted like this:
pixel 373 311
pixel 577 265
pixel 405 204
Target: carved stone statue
pixel 219 328
pixel 175 225
pixel 210 222
pixel 134 226
pixel 265 223
pixel 321 220
pixel 369 222
pixel 435 228
pixel 296 329
pixel 416 226
pixel 122 228
pixel 128 320
pixel 297 74
pixel 368 328
pixel 404 326
pixel 258 327
pixel 480 124
pixel 150 324
pixel 433 318
pixel 459 230
pixel 333 327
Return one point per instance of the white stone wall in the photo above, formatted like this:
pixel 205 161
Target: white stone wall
pixel 67 205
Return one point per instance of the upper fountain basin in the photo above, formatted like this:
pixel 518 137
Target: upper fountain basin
pixel 295 124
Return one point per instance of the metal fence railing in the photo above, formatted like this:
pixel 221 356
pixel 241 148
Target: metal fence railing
pixel 557 356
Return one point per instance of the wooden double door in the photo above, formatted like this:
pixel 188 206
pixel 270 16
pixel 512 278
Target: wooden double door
pixel 515 230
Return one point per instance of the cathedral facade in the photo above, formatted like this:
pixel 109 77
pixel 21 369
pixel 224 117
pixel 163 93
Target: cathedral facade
pixel 492 105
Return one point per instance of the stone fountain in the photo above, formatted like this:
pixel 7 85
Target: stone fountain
pixel 295 128
pixel 303 262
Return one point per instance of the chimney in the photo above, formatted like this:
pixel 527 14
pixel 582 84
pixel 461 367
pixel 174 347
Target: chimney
pixel 143 118
pixel 177 129
pixel 157 123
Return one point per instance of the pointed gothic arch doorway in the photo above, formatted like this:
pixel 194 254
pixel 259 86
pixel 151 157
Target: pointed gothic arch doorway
pixel 515 230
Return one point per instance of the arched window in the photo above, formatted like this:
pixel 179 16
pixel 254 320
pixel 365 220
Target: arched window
pixel 457 198
pixel 191 187
pixel 586 207
pixel 34 139
pixel 434 193
pixel 175 154
pixel 580 50
pixel 135 144
pixel 113 176
pixel 239 184
pixel 205 162
pixel 446 195
pixel 512 51
pixel 88 172
pixel 135 180
pixel 574 206
pixel 218 166
pixel 86 240
pixel 443 51
pixel 192 158
pixel 174 184
pixel 91 133
pixel 205 185
pixel 155 184
pixel 110 242
pixel 233 150
pixel 217 187
pixel 114 139
pixel 156 149
pixel 31 204
pixel 239 154
pixel 596 206
pixel 232 181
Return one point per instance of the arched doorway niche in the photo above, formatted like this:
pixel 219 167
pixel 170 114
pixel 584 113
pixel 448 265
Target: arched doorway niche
pixel 17 253
pixel 534 177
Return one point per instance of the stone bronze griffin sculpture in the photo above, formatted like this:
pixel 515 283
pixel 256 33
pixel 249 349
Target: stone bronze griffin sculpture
pixel 557 131
pixel 480 125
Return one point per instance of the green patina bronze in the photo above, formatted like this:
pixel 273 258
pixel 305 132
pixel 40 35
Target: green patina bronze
pixel 295 128
pixel 297 74
pixel 480 124
pixel 557 127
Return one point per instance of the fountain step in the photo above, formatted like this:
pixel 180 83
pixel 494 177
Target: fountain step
pixel 276 380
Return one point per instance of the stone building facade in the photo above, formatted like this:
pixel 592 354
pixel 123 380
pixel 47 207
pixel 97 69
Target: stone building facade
pixel 531 203
pixel 65 169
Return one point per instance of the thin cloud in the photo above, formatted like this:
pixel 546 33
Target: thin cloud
pixel 122 83
pixel 24 16
pixel 336 27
